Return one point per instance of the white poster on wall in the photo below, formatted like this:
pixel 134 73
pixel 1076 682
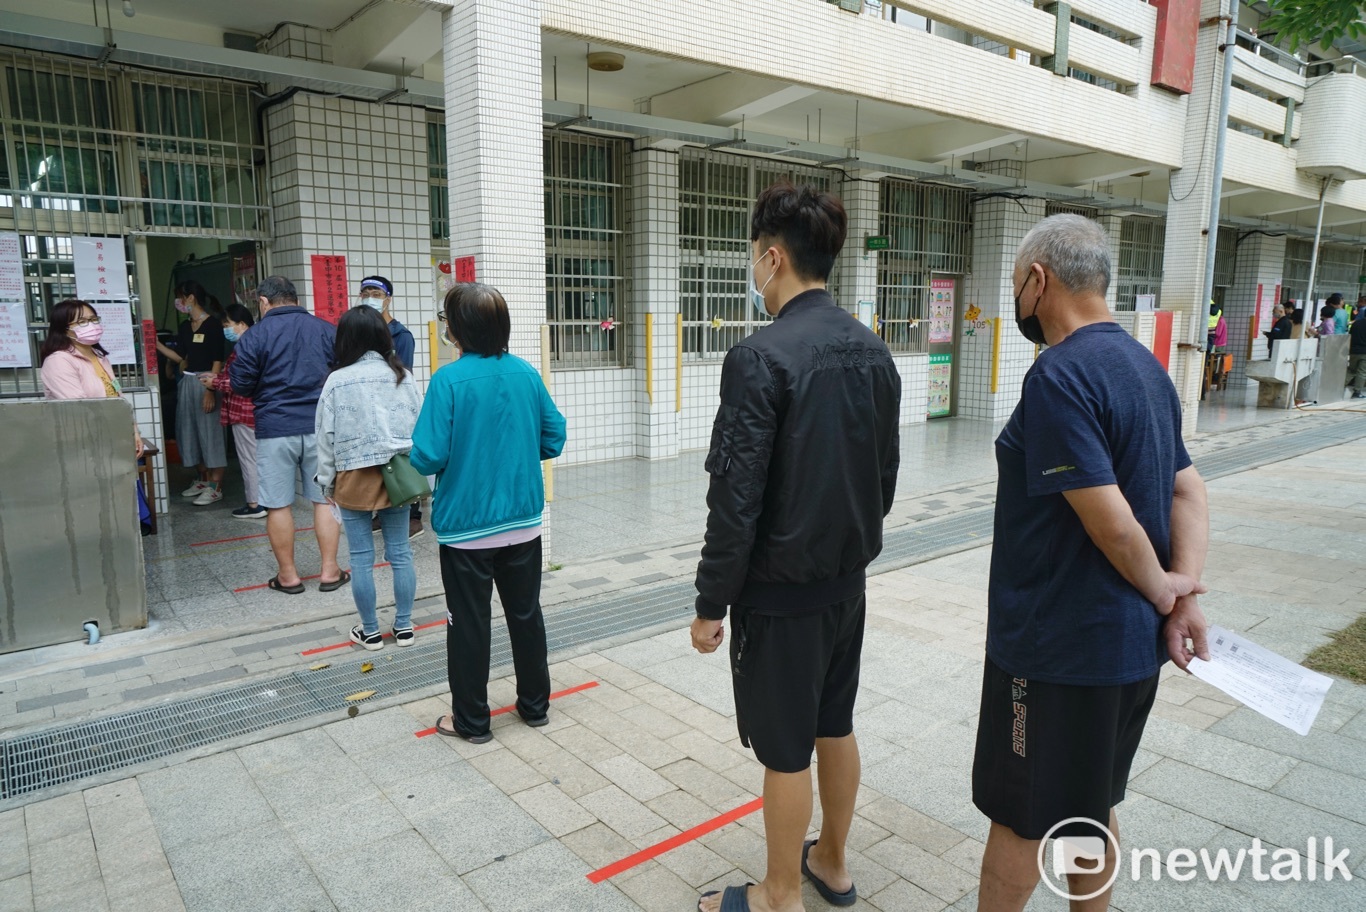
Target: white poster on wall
pixel 14 347
pixel 116 317
pixel 1145 303
pixel 11 267
pixel 101 268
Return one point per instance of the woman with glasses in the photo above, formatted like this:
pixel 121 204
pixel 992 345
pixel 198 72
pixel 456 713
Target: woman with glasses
pixel 485 426
pixel 199 435
pixel 76 366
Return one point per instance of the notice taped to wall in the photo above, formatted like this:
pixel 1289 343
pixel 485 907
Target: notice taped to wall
pixel 14 346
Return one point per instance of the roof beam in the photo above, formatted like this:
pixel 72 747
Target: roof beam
pixel 727 99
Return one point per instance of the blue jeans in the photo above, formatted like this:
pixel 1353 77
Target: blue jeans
pixel 360 540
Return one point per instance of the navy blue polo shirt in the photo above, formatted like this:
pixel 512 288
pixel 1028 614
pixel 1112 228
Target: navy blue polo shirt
pixel 1096 409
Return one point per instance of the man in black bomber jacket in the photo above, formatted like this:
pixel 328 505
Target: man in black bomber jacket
pixel 803 464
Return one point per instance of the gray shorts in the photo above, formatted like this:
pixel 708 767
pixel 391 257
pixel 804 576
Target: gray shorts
pixel 282 462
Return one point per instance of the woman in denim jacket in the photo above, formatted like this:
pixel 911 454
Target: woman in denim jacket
pixel 366 416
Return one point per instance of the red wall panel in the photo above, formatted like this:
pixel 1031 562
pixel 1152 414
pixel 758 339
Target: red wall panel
pixel 1178 23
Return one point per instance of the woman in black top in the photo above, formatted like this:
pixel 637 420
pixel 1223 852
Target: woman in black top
pixel 199 434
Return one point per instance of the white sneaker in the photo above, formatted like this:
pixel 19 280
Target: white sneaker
pixel 195 489
pixel 210 495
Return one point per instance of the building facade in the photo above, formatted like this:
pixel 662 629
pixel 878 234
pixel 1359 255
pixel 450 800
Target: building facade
pixel 597 160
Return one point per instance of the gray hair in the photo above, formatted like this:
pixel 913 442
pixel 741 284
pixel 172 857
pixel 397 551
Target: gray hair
pixel 277 290
pixel 1074 248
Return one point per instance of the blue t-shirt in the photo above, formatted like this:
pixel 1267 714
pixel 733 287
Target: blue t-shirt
pixel 1096 409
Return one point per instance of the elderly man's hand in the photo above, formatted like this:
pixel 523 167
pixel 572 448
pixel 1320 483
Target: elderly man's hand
pixel 1186 622
pixel 1178 585
pixel 707 635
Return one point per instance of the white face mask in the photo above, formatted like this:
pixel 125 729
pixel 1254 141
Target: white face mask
pixel 374 303
pixel 756 294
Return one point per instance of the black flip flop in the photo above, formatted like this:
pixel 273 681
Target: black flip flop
pixel 336 583
pixel 734 899
pixel 848 898
pixel 485 738
pixel 296 589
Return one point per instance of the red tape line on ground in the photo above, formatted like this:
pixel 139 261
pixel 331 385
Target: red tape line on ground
pixel 507 709
pixel 674 842
pixel 224 541
pixel 302 579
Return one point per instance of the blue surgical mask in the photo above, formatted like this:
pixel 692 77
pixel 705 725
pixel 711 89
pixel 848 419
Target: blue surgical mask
pixel 756 294
pixel 230 334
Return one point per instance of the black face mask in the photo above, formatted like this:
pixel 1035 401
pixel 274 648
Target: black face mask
pixel 1029 326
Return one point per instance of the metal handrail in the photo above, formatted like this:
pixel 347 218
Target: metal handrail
pixel 1265 49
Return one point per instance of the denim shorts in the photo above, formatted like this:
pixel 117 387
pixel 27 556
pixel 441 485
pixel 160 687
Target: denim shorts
pixel 281 463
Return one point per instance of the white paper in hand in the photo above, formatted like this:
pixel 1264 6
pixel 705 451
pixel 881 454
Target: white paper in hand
pixel 1262 680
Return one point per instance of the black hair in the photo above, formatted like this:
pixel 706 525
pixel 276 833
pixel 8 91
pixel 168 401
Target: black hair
pixel 60 319
pixel 810 224
pixel 1335 299
pixel 1297 316
pixel 478 320
pixel 388 286
pixel 207 302
pixel 1326 312
pixel 236 313
pixel 362 330
pixel 277 290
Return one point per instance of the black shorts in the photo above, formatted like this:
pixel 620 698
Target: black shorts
pixel 1047 752
pixel 796 678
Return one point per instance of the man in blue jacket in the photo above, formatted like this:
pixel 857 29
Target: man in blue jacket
pixel 281 365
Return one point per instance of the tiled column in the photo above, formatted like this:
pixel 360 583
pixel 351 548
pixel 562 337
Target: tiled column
pixel 998 227
pixel 1191 191
pixel 1113 225
pixel 492 51
pixel 652 239
pixel 349 178
pixel 857 266
pixel 1261 260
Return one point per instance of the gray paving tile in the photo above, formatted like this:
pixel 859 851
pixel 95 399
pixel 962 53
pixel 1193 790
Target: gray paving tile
pixel 53 699
pixel 553 809
pixel 54 818
pixel 257 867
pixel 1207 750
pixel 1328 749
pixel 299 793
pixel 621 812
pixel 16 894
pixel 470 834
pixel 590 583
pixel 399 865
pixel 294 639
pixel 104 668
pixel 347 829
pixel 203 800
pixel 545 878
pixel 1326 790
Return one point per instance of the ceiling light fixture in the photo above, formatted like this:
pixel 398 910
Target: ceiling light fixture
pixel 128 9
pixel 606 61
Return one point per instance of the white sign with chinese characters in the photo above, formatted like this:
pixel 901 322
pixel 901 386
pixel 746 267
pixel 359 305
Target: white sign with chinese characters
pixel 14 346
pixel 118 338
pixel 11 267
pixel 101 269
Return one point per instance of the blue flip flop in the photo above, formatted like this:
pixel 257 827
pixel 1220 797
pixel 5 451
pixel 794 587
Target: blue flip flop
pixel 847 898
pixel 734 899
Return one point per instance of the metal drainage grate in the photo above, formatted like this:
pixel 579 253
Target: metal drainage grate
pixel 32 762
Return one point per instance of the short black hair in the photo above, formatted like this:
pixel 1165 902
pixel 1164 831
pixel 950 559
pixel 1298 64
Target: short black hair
pixel 811 225
pixel 236 313
pixel 1335 299
pixel 478 320
pixel 277 290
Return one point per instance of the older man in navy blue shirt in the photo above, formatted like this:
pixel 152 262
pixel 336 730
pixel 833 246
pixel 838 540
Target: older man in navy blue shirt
pixel 281 365
pixel 1100 539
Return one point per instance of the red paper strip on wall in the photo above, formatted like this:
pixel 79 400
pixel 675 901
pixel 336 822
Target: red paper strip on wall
pixel 329 287
pixel 149 346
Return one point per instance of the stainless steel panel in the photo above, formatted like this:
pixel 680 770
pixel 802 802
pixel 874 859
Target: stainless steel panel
pixel 70 544
pixel 1333 368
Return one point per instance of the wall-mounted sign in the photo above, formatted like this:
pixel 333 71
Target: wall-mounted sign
pixel 941 310
pixel 11 267
pixel 101 269
pixel 941 385
pixel 329 287
pixel 877 242
pixel 14 345
pixel 464 269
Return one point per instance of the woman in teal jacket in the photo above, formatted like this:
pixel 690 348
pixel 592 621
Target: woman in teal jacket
pixel 485 426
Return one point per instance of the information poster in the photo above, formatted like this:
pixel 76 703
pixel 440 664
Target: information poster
pixel 14 347
pixel 329 287
pixel 11 267
pixel 941 310
pixel 244 280
pixel 119 337
pixel 1145 303
pixel 941 380
pixel 101 269
pixel 464 269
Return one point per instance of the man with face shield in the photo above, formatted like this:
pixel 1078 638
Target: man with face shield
pixel 1100 539
pixel 803 464
pixel 378 292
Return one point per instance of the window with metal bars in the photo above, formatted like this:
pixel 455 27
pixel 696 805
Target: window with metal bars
pixel 1338 270
pixel 1141 248
pixel 929 231
pixel 1225 257
pixel 716 194
pixel 585 198
pixel 438 194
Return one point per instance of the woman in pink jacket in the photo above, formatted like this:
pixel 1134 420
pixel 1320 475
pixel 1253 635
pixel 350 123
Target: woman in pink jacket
pixel 76 366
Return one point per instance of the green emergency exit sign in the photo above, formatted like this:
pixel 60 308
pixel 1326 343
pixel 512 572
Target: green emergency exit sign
pixel 877 242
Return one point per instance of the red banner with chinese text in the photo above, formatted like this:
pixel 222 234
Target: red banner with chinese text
pixel 330 296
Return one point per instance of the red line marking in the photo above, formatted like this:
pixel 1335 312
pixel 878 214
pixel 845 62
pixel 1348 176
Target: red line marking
pixel 301 579
pixel 507 709
pixel 317 649
pixel 674 842
pixel 224 541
